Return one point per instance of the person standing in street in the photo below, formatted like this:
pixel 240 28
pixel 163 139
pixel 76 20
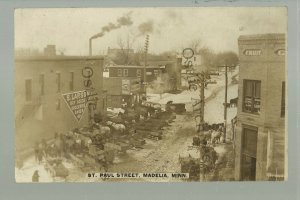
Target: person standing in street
pixel 35 176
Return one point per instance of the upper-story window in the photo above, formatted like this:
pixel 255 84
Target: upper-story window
pixel 282 114
pixel 42 84
pixel 58 82
pixel 138 73
pixel 252 96
pixel 28 89
pixel 125 72
pixel 71 81
pixel 120 72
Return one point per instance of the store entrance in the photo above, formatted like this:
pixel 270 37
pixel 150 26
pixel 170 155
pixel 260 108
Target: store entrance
pixel 249 148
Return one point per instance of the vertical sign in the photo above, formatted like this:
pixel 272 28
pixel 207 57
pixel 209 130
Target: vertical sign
pixel 125 86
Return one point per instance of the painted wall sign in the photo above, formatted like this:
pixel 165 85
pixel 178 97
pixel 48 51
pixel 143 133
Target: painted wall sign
pixel 77 102
pixel 280 52
pixel 252 52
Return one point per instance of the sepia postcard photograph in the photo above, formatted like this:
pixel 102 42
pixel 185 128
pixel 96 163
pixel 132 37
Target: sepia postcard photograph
pixel 164 94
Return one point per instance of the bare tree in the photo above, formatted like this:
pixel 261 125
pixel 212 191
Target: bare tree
pixel 197 45
pixel 139 55
pixel 226 58
pixel 126 49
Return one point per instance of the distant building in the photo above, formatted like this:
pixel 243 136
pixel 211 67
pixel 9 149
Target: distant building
pixel 40 109
pixel 122 91
pixel 113 52
pixel 261 132
pixel 50 50
pixel 170 72
pixel 152 72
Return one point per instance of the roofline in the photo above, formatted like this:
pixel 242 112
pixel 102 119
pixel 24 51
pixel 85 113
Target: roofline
pixel 268 36
pixel 132 66
pixel 57 58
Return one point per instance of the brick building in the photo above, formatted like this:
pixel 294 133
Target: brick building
pixel 261 132
pixel 40 81
pixel 169 71
pixel 129 71
pixel 122 91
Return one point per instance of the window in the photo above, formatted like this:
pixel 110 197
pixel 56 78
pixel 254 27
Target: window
pixel 119 72
pixel 42 84
pixel 156 72
pixel 58 82
pixel 28 89
pixel 138 73
pixel 252 96
pixel 125 72
pixel 71 81
pixel 282 99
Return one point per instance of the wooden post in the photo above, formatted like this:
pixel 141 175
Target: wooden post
pixel 225 104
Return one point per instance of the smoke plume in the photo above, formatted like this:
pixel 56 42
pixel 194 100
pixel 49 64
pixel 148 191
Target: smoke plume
pixel 145 28
pixel 122 21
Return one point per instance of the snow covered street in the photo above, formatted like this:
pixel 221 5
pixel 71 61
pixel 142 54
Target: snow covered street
pixel 162 155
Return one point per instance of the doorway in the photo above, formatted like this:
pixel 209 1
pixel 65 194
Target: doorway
pixel 249 149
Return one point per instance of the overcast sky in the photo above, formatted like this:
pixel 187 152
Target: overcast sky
pixel 169 28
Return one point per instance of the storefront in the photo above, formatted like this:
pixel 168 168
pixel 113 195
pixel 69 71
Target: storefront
pixel 260 133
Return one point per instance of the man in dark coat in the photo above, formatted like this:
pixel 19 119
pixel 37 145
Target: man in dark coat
pixel 35 176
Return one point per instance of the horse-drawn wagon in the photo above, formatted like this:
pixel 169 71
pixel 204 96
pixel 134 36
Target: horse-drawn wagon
pixel 56 168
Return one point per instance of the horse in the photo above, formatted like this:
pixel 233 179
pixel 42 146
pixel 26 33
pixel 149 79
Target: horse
pixel 215 137
pixel 117 127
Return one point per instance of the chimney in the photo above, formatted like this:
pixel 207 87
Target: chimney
pixel 50 50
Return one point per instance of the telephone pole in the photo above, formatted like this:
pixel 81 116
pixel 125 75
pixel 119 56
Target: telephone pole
pixel 225 107
pixel 225 101
pixel 145 61
pixel 201 82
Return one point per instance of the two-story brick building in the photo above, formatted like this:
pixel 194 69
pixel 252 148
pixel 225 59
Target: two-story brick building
pixel 170 70
pixel 121 91
pixel 129 71
pixel 260 141
pixel 40 82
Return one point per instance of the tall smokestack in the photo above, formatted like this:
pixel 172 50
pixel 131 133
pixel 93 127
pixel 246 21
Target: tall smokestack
pixel 90 47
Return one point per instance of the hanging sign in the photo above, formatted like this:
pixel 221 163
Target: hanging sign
pixel 125 86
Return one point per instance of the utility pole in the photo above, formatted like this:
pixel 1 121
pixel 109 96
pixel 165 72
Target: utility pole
pixel 202 103
pixel 145 61
pixel 201 83
pixel 225 105
pixel 225 101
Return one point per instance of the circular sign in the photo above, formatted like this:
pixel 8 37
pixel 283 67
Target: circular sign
pixel 87 72
pixel 188 53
